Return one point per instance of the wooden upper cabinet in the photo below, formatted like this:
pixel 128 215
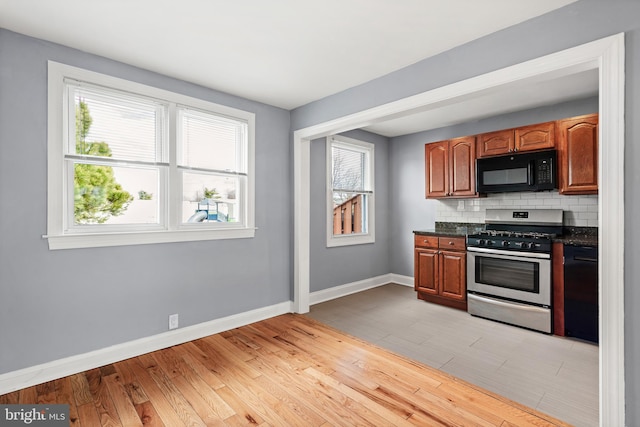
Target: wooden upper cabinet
pixel 450 168
pixel 527 138
pixel 436 161
pixel 495 143
pixel 462 166
pixel 535 137
pixel 578 154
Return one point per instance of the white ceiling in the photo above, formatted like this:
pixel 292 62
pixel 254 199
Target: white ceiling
pixel 285 53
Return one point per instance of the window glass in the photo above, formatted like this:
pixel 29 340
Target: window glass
pixel 115 195
pixel 210 198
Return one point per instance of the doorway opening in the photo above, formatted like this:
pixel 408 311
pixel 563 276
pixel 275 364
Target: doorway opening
pixel 606 55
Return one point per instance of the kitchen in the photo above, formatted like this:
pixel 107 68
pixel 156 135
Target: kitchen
pixel 509 270
pixel 460 215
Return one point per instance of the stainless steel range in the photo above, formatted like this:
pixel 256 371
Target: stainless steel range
pixel 509 267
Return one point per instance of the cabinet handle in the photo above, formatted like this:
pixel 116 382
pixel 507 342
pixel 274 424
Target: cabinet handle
pixel 451 243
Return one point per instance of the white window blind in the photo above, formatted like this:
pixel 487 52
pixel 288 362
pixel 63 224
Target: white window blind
pixel 131 126
pixel 348 169
pixel 211 142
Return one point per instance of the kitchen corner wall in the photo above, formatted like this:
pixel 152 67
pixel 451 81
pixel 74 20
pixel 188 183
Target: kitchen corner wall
pixel 579 211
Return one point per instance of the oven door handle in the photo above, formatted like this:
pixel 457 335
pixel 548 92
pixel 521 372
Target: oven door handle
pixel 508 253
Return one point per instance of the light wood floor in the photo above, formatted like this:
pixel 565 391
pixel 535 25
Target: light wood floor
pixel 555 375
pixel 286 371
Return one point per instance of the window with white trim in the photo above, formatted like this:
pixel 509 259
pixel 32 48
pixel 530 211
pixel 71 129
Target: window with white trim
pixel 133 164
pixel 350 195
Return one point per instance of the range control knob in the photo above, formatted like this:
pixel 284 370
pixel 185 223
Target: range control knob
pixel 481 242
pixel 505 243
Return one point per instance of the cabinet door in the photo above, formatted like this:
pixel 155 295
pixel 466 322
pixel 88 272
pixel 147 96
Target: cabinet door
pixel 578 154
pixel 557 272
pixel 453 277
pixel 535 137
pixel 495 143
pixel 436 160
pixel 462 166
pixel 426 271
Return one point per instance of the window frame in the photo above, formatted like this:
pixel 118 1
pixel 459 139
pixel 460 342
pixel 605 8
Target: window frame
pixel 172 230
pixel 335 240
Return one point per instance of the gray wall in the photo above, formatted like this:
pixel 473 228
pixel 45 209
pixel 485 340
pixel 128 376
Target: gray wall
pixel 336 266
pixel 60 303
pixel 575 24
pixel 406 172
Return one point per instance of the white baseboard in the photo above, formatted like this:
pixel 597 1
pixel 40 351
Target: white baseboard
pixel 38 374
pixel 27 377
pixel 401 280
pixel 359 286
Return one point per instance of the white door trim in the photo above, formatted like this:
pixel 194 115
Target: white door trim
pixel 606 55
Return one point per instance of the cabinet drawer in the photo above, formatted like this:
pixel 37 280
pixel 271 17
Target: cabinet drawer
pixel 426 241
pixel 453 243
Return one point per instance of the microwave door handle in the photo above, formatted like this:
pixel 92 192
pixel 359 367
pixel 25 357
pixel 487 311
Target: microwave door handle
pixel 530 174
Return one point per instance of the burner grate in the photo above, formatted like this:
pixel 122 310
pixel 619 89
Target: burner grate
pixel 517 234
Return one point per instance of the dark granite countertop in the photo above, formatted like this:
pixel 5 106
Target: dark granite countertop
pixel 451 229
pixel 434 232
pixel 578 236
pixel 577 240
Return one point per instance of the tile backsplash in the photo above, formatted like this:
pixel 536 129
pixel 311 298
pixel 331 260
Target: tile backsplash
pixel 579 211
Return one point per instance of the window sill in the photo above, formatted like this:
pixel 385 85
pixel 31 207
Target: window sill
pixel 75 241
pixel 351 239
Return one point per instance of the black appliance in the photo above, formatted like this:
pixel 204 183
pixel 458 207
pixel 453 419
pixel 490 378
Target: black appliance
pixel 581 292
pixel 509 267
pixel 529 171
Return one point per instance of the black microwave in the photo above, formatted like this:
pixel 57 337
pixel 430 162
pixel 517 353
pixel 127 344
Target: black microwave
pixel 528 171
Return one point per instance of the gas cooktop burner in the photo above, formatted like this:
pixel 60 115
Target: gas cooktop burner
pixel 518 230
pixel 516 234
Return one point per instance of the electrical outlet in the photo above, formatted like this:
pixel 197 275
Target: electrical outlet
pixel 173 321
pixel 460 205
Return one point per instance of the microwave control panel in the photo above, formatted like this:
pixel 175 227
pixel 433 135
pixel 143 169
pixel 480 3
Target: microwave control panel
pixel 544 171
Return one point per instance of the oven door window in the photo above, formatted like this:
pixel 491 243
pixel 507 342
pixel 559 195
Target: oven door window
pixel 508 273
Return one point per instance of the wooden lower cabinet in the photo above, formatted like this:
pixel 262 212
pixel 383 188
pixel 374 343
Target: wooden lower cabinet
pixel 440 270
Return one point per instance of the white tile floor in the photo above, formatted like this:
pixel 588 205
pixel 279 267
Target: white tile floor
pixel 555 375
